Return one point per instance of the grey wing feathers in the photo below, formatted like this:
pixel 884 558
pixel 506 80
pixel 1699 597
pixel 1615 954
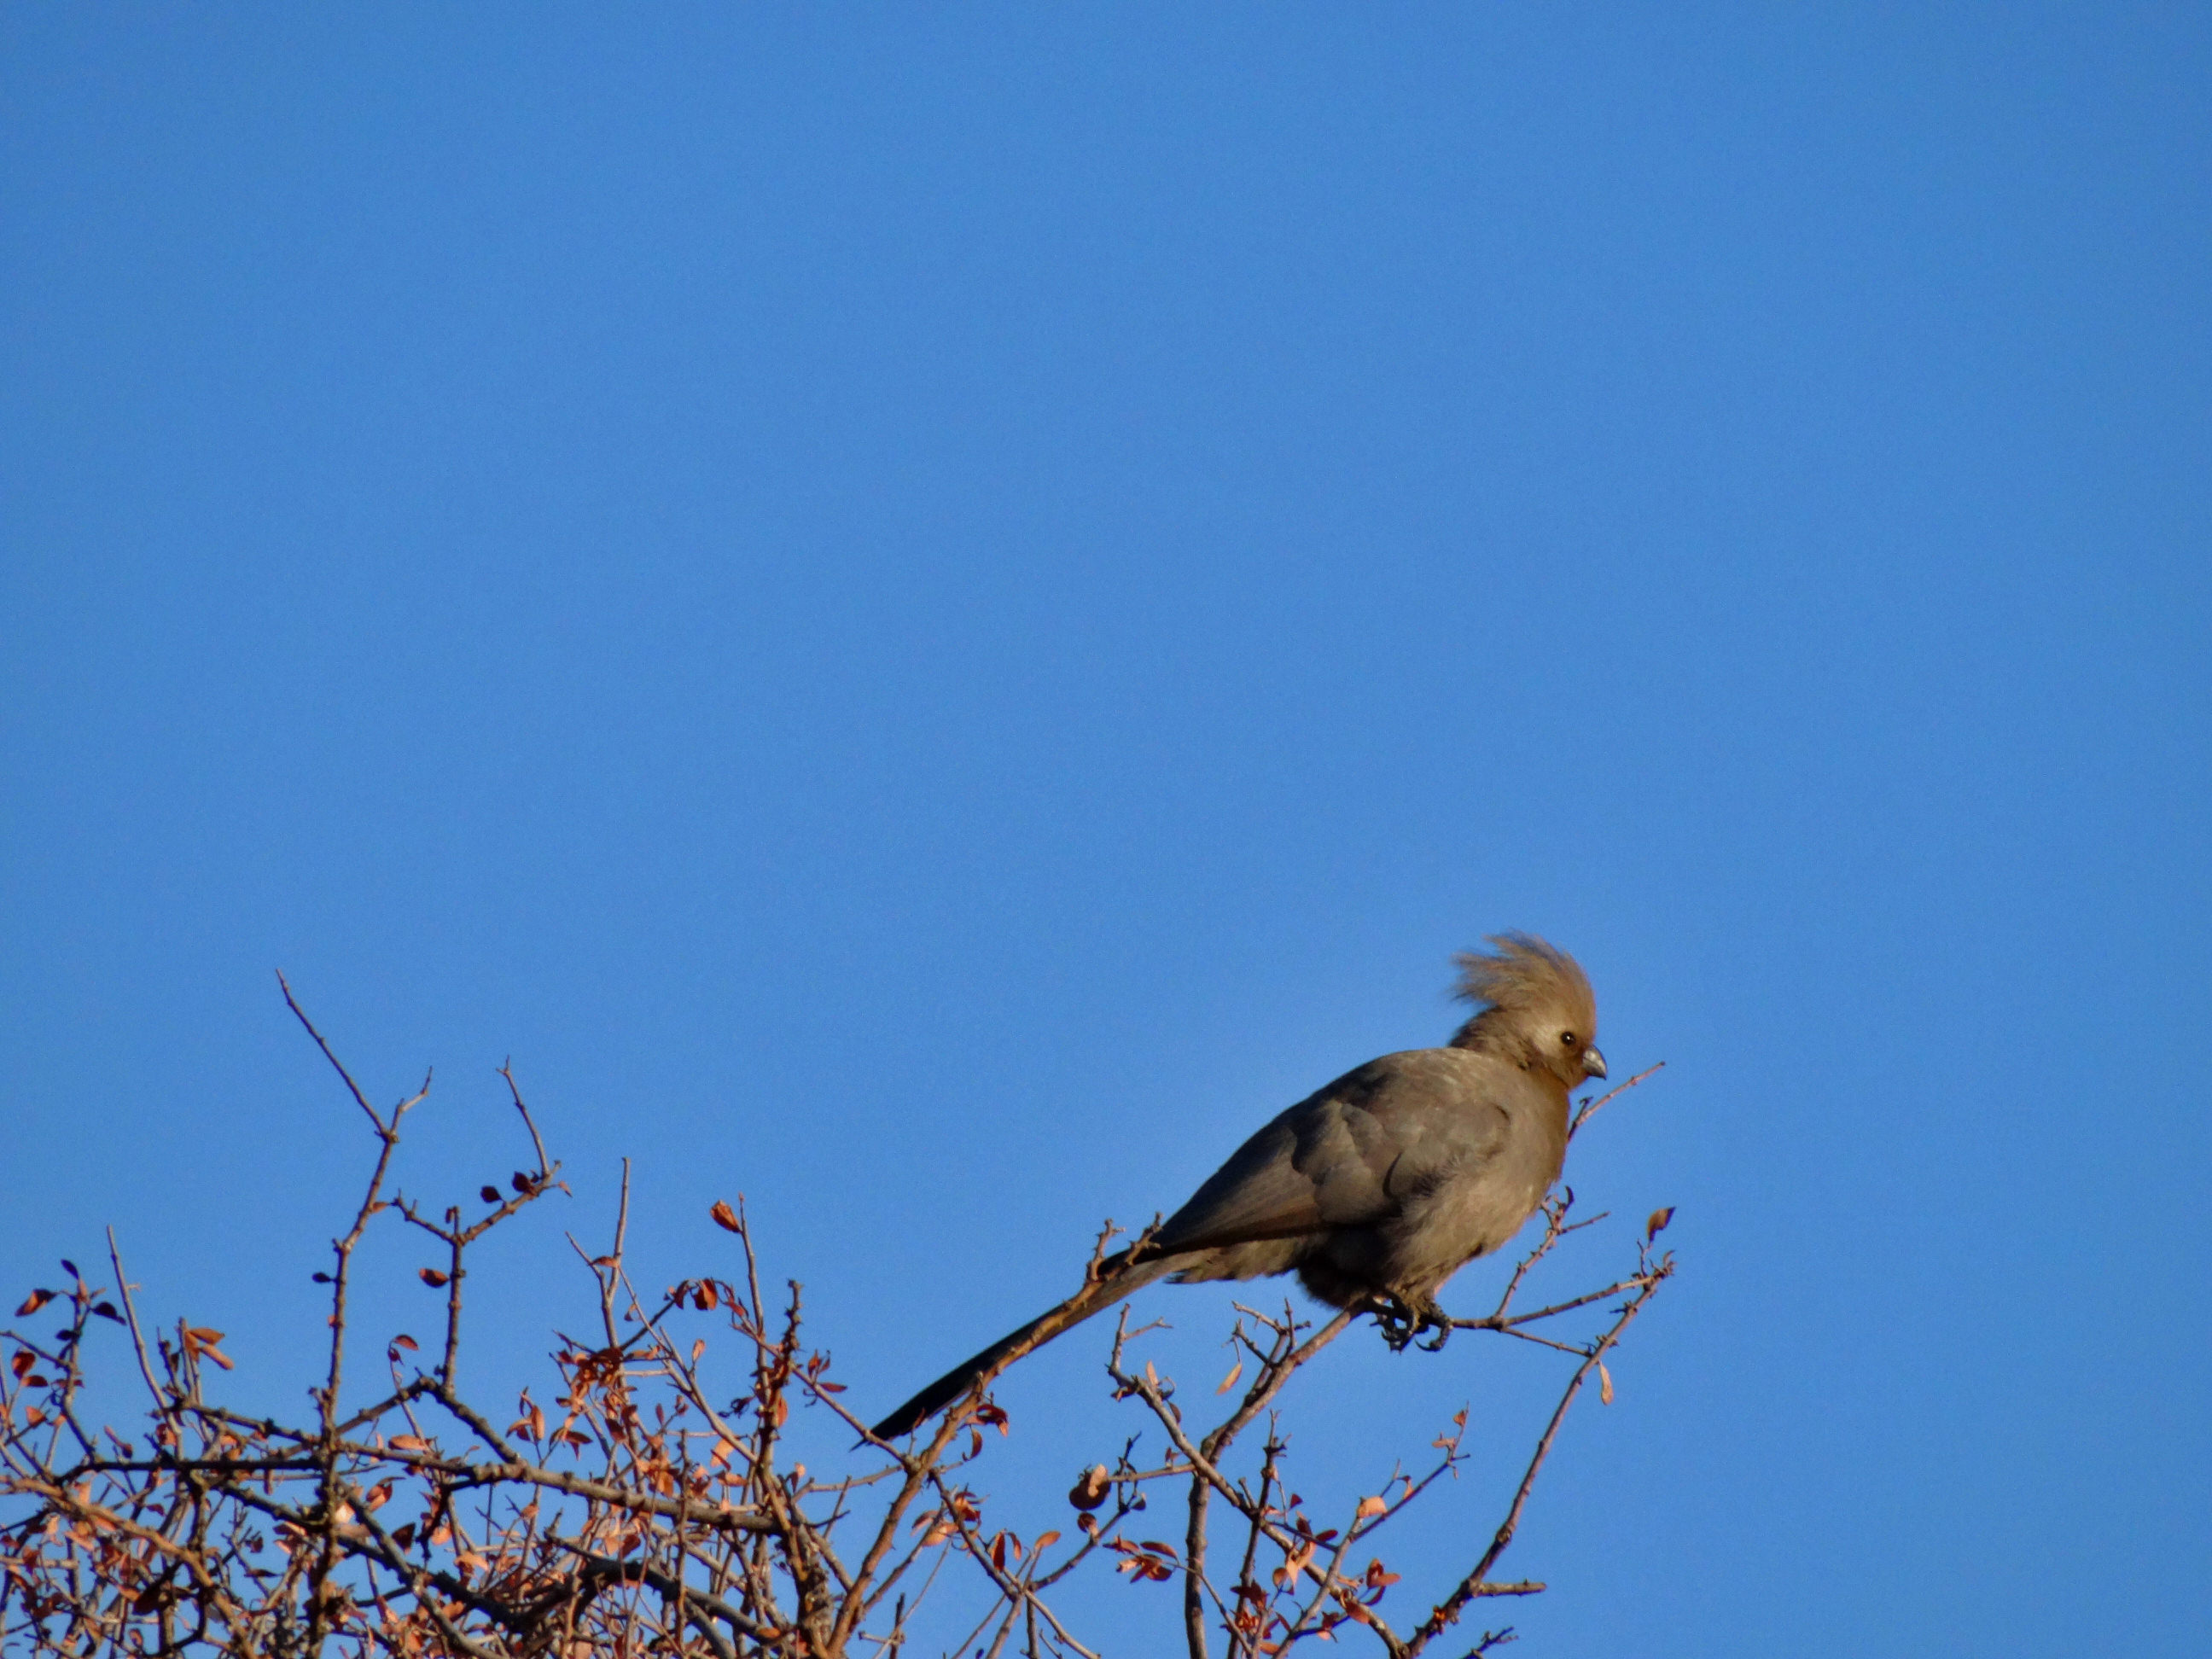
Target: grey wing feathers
pixel 1257 1193
pixel 1332 1160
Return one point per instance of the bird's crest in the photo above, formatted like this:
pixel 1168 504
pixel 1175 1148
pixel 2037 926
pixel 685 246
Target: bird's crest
pixel 1523 973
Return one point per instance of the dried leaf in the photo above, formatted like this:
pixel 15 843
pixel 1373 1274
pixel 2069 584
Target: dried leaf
pixel 1604 1384
pixel 408 1443
pixel 698 1348
pixel 490 1194
pixel 1044 1541
pixel 404 1340
pixel 1372 1506
pixel 724 1217
pixel 432 1278
pixel 1091 1487
pixel 199 1340
pixel 1230 1381
pixel 35 1300
pixel 106 1311
pixel 1657 1224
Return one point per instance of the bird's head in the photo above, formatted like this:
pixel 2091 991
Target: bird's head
pixel 1539 1008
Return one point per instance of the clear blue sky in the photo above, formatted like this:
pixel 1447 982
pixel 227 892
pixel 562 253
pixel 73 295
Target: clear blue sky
pixel 928 614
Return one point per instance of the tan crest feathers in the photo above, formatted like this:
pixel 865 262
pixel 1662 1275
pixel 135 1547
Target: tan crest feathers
pixel 1521 973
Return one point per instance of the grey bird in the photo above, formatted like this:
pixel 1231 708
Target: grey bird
pixel 1377 1188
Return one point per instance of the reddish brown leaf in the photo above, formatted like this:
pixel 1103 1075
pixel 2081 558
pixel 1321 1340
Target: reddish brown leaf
pixel 1657 1224
pixel 404 1340
pixel 490 1196
pixel 432 1278
pixel 35 1300
pixel 199 1340
pixel 1091 1487
pixel 724 1217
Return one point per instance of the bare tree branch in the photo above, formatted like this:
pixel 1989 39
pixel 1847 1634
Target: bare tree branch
pixel 637 1509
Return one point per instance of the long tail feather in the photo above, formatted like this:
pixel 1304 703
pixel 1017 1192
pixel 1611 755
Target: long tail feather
pixel 1093 1298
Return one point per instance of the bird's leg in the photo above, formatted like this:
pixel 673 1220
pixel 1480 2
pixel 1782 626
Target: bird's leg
pixel 1434 1318
pixel 1429 1316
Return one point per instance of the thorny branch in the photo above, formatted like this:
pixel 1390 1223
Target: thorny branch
pixel 642 1507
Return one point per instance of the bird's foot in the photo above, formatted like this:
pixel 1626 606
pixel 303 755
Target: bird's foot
pixel 1402 1320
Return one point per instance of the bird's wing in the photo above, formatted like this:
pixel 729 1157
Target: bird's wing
pixel 1443 1117
pixel 1347 1156
pixel 1257 1193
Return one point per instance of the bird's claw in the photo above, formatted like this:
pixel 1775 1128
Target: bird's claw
pixel 1402 1322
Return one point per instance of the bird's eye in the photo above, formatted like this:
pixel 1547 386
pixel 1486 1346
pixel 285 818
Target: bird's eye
pixel 1566 1039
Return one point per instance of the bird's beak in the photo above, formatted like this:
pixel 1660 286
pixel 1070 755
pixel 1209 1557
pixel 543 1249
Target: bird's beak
pixel 1593 1063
